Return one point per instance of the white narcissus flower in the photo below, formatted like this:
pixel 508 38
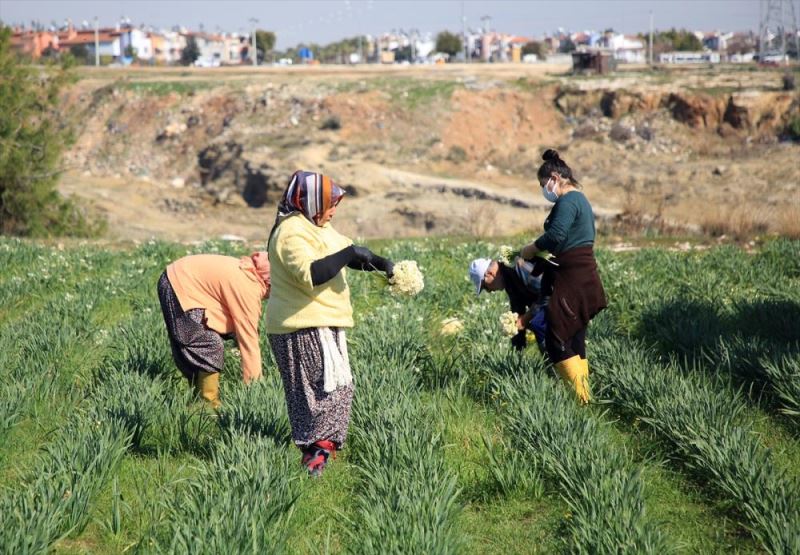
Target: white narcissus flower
pixel 508 323
pixel 451 326
pixel 505 254
pixel 407 279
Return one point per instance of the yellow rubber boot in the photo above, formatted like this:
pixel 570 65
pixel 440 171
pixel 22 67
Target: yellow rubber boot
pixel 585 376
pixel 207 386
pixel 575 371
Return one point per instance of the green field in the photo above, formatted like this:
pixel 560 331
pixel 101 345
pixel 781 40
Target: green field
pixel 457 444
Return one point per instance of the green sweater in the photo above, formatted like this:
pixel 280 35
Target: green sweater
pixel 570 224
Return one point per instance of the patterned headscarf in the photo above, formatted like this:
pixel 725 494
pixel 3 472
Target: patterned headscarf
pixel 309 193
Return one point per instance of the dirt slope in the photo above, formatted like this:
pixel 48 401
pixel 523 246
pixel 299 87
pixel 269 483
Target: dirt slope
pixel 189 157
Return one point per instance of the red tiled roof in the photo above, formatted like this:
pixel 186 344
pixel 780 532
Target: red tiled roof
pixel 88 38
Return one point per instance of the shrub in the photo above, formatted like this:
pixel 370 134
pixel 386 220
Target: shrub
pixel 332 123
pixel 793 128
pixel 457 154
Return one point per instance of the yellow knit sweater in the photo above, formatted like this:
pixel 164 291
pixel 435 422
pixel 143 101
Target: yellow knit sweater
pixel 294 302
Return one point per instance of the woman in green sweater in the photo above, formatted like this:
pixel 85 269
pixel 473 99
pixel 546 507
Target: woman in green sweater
pixel 308 312
pixel 572 283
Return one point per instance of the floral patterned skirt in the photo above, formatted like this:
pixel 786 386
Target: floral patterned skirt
pixel 313 414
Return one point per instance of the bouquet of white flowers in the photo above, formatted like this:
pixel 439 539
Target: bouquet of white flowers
pixel 508 323
pixel 407 279
pixel 451 326
pixel 506 254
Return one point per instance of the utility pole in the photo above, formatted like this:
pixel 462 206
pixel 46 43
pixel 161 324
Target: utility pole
pixel 253 22
pixel 651 38
pixel 96 42
pixel 760 32
pixel 464 33
pixel 780 15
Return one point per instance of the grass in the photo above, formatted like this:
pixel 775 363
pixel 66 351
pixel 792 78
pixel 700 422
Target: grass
pixel 455 445
pixel 530 85
pixel 163 88
pixel 408 93
pixel 699 522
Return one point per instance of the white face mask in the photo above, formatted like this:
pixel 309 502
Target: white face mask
pixel 548 194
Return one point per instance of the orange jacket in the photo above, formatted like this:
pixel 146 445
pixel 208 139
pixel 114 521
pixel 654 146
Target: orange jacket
pixel 231 293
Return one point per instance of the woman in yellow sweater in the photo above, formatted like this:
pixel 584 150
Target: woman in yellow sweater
pixel 308 311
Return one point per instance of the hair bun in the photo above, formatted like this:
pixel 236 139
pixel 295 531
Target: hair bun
pixel 550 154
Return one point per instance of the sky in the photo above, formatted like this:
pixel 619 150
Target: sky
pixel 324 21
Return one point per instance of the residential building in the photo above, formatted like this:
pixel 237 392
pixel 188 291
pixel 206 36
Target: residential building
pixel 717 41
pixel 552 44
pixel 33 43
pixel 625 48
pixel 159 45
pixel 172 46
pixel 135 41
pixel 232 49
pixel 109 42
pixel 515 45
pixel 496 47
pixel 211 46
pixel 421 46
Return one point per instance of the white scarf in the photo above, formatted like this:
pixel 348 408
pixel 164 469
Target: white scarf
pixel 336 364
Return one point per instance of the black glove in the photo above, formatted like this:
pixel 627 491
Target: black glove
pixel 362 255
pixel 366 260
pixel 383 264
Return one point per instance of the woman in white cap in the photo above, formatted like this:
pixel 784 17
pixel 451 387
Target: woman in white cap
pixel 519 284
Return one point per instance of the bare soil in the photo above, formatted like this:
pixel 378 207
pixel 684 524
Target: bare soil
pixel 196 154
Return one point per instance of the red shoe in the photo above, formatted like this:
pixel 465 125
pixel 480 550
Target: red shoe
pixel 315 456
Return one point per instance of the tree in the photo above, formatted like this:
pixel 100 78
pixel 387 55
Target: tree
pixel 534 47
pixel 667 41
pixel 80 52
pixel 448 43
pixel 50 53
pixel 567 46
pixel 190 52
pixel 403 54
pixel 685 41
pixel 32 138
pixel 265 42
